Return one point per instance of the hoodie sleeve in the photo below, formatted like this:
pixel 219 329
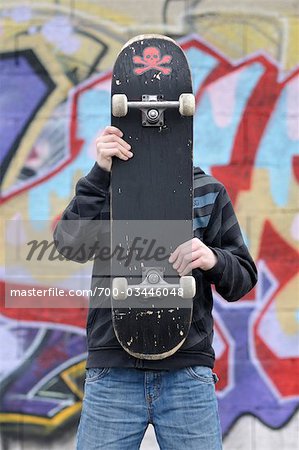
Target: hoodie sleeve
pixel 80 225
pixel 235 273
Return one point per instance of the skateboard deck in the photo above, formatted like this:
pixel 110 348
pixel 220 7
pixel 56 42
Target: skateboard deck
pixel 151 196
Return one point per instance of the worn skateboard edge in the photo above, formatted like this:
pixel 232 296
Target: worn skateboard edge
pixel 152 357
pixel 143 37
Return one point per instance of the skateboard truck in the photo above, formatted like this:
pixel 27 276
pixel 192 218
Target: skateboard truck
pixel 153 285
pixel 153 107
pixel 152 116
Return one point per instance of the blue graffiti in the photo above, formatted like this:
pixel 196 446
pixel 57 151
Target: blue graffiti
pixel 93 115
pixel 277 150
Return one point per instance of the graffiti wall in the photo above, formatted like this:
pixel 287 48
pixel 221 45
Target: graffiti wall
pixel 55 71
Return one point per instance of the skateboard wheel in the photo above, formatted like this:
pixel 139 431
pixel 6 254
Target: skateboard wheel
pixel 187 104
pixel 187 283
pixel 119 288
pixel 119 105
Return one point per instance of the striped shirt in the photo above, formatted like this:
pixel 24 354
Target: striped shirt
pixel 215 223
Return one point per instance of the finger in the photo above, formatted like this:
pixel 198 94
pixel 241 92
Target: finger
pixel 178 251
pixel 196 243
pixel 196 255
pixel 191 266
pixel 173 256
pixel 178 260
pixel 182 262
pixel 186 258
pixel 185 254
pixel 125 152
pixel 112 130
pixel 110 152
pixel 108 145
pixel 115 152
pixel 121 155
pixel 186 271
pixel 114 138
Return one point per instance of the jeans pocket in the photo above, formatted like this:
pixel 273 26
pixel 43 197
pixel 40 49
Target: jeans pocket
pixel 95 373
pixel 202 373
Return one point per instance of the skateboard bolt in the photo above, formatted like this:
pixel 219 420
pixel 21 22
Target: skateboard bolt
pixel 153 114
pixel 153 278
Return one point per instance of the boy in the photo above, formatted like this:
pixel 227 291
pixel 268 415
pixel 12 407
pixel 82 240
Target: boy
pixel 177 394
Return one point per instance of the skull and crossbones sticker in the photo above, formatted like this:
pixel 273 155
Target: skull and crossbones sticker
pixel 151 59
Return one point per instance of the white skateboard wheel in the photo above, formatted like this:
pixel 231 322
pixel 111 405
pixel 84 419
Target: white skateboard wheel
pixel 119 105
pixel 187 105
pixel 188 285
pixel 120 288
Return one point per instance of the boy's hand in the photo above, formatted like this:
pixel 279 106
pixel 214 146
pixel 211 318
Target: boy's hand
pixel 192 254
pixel 110 143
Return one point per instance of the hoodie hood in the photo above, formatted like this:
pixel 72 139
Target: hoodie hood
pixel 198 171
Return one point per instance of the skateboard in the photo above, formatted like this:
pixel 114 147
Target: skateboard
pixel 151 196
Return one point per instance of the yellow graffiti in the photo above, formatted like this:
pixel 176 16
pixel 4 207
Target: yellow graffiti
pixel 60 92
pixel 68 376
pixel 55 421
pixel 256 205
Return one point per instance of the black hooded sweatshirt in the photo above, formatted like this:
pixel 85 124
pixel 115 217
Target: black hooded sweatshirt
pixel 86 219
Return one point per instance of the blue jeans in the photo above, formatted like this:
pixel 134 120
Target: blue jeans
pixel 119 404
